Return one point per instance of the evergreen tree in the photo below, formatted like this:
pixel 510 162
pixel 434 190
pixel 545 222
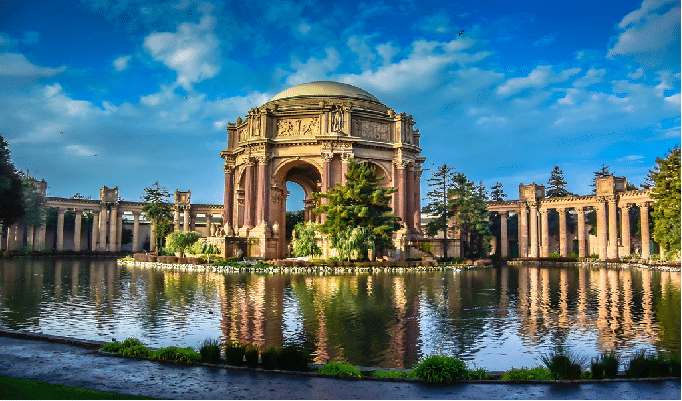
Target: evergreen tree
pixel 471 213
pixel 158 210
pixel 557 184
pixel 34 209
pixel 305 241
pixel 438 203
pixel 359 203
pixel 11 188
pixel 666 208
pixel 604 172
pixel 497 192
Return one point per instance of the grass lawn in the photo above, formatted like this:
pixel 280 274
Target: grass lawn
pixel 20 389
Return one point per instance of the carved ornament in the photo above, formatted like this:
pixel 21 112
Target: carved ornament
pixel 371 130
pixel 298 127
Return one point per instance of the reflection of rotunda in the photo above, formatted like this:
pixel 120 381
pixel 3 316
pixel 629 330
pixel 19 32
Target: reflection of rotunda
pixel 307 134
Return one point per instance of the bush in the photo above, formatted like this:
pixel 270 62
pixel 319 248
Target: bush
pixel 293 357
pixel 234 353
pixel 175 354
pixel 644 365
pixel 269 358
pixel 210 351
pixel 441 369
pixel 554 255
pixel 538 373
pixel 594 256
pixel 251 355
pixel 606 366
pixel 115 347
pixel 138 351
pixel 390 373
pixel 339 369
pixel 573 255
pixel 561 366
pixel 131 342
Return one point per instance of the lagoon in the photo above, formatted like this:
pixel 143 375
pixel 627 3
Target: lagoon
pixel 492 318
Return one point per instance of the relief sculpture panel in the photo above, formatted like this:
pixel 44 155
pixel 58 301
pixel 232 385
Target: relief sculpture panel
pixel 298 127
pixel 371 130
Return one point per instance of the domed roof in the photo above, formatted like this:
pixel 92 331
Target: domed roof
pixel 325 89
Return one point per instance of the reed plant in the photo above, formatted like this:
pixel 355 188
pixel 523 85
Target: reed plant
pixel 234 353
pixel 210 350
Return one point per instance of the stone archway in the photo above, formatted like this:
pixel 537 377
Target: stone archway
pixel 307 134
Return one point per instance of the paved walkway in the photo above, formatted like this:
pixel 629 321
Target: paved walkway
pixel 75 366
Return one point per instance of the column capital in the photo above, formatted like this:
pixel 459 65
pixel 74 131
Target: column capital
pixel 504 213
pixel 228 169
pixel 327 156
pixel 625 206
pixel 263 159
pixel 544 212
pixel 579 209
pixel 533 205
pixel 401 164
pixel 644 204
pixel 561 209
pixel 346 157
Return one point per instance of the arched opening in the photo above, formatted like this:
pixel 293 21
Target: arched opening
pixel 295 212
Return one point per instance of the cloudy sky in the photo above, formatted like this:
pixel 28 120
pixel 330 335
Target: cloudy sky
pixel 125 93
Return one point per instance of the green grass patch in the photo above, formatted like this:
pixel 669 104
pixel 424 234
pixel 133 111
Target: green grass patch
pixel 339 369
pixel 538 373
pixel 389 374
pixel 22 389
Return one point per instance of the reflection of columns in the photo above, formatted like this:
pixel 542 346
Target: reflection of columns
pixel 136 231
pixel 625 228
pixel 228 198
pixel 77 231
pixel 601 228
pixel 60 229
pixel 644 222
pixel 523 231
pixel 111 244
pixel 581 231
pixel 563 243
pixel 613 229
pixel 95 231
pixel 544 228
pixel 504 242
pixel 533 230
pixel 263 201
pixel 248 195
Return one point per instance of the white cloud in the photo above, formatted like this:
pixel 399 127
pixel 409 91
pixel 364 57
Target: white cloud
pixel 79 150
pixel 436 23
pixel 387 51
pixel 15 65
pixel 314 69
pixel 193 51
pixel 359 46
pixel 539 78
pixel 591 77
pixel 121 63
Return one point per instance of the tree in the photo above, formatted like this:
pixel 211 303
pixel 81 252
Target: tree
pixel 180 241
pixel 497 193
pixel 557 185
pixel 292 219
pixel 604 172
pixel 158 210
pixel 11 188
pixel 34 209
pixel 471 216
pixel 438 203
pixel 359 203
pixel 305 240
pixel 666 209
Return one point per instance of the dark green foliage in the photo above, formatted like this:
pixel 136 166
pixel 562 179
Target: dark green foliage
pixel 292 219
pixel 269 358
pixel 606 366
pixel 175 354
pixel 234 353
pixel 114 347
pixel 293 357
pixel 667 208
pixel 440 369
pixel 158 210
pixel 562 366
pixel 251 355
pixel 210 351
pixel 11 188
pixel 438 203
pixel 390 373
pixel 471 216
pixel 538 373
pixel 339 369
pixel 359 203
pixel 497 193
pixel 604 172
pixel 647 365
pixel 556 186
pixel 138 351
pixel 131 342
pixel 20 389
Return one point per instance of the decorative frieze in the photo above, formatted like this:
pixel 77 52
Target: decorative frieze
pixel 298 127
pixel 373 130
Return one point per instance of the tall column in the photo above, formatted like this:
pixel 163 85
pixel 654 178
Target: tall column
pixel 119 232
pixel 625 228
pixel 152 238
pixel 326 178
pixel 77 230
pixel 417 199
pixel 185 222
pixel 504 241
pixel 533 230
pixel 523 231
pixel 544 228
pixel 113 224
pixel 399 195
pixel 563 242
pixel 613 229
pixel 95 231
pixel 581 232
pixel 644 222
pixel 30 231
pixel 263 200
pixel 103 229
pixel 409 198
pixel 248 195
pixel 136 231
pixel 228 199
pixel 60 229
pixel 602 228
pixel 345 159
pixel 176 219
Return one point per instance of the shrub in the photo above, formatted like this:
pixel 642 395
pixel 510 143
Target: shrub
pixel 293 357
pixel 339 369
pixel 175 354
pixel 594 256
pixel 538 373
pixel 440 369
pixel 573 255
pixel 251 355
pixel 390 373
pixel 138 351
pixel 210 351
pixel 554 255
pixel 131 342
pixel 561 365
pixel 234 353
pixel 115 347
pixel 606 366
pixel 269 358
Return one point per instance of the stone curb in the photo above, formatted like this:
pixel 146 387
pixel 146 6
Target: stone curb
pixel 97 345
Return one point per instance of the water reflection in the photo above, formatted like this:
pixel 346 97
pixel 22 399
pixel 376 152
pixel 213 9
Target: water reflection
pixel 494 318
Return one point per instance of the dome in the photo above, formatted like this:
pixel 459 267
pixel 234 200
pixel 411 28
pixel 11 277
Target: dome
pixel 325 89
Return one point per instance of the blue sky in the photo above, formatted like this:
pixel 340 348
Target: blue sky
pixel 149 86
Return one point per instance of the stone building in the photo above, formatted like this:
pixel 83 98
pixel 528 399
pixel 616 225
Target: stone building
pixel 307 134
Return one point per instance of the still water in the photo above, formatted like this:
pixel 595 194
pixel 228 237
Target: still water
pixel 494 319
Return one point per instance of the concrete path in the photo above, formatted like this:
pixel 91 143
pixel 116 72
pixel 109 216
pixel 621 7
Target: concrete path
pixel 74 366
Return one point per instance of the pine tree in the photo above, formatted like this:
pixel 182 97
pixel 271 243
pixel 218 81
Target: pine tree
pixel 158 210
pixel 359 203
pixel 604 172
pixel 11 188
pixel 666 208
pixel 497 192
pixel 438 203
pixel 557 184
pixel 471 213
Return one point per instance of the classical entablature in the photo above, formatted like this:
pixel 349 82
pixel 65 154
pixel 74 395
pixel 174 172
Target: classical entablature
pixel 307 134
pixel 611 202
